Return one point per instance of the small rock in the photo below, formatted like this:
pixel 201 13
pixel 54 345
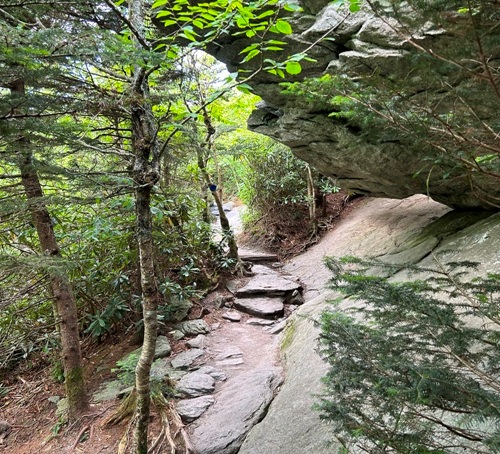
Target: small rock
pixel 278 327
pixel 62 408
pixel 295 298
pixel 54 399
pixel 190 409
pixel 196 384
pixel 108 391
pixel 198 342
pixel 232 316
pixel 260 322
pixel 219 375
pixel 185 359
pixel 232 286
pixel 215 326
pixel 194 327
pixel 177 335
pixel 228 206
pixel 277 265
pixel 160 368
pixel 230 362
pixel 5 430
pixel 162 348
pixel 219 302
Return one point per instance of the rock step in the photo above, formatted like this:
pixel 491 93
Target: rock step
pixel 263 306
pixel 271 284
pixel 258 257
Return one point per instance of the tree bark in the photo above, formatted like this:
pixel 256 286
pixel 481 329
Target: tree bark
pixel 224 222
pixel 146 174
pixel 65 306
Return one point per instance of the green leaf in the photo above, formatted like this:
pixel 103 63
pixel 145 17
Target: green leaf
pixel 198 23
pixel 293 67
pixel 354 6
pixel 253 53
pixel 266 14
pixel 293 7
pixel 283 27
pixel 245 88
pixel 166 23
pixel 272 48
pixel 158 3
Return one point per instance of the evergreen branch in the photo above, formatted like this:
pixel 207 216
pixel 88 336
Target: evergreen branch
pixel 129 24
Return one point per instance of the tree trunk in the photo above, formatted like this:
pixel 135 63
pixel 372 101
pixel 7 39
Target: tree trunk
pixel 150 318
pixel 311 200
pixel 63 297
pixel 224 222
pixel 65 305
pixel 146 174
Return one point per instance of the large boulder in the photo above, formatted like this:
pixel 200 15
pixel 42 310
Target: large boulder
pixel 435 108
pixel 389 230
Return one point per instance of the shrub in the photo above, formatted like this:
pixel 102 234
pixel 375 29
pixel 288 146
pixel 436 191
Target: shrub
pixel 415 367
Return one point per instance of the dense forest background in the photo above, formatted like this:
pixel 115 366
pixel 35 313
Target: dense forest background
pixel 118 141
pixel 115 142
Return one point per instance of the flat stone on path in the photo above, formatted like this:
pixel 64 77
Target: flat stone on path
pixel 196 384
pixel 232 356
pixel 219 375
pixel 259 322
pixel 270 284
pixel 232 316
pixel 194 327
pixel 185 359
pixel 240 405
pixel 264 307
pixel 198 342
pixel 191 409
pixel 278 327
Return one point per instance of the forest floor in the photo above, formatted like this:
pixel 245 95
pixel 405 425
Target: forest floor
pixel 26 406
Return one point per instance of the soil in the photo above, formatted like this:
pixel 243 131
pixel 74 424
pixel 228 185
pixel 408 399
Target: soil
pixel 25 406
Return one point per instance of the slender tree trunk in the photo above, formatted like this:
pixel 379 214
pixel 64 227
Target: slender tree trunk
pixel 224 222
pixel 311 196
pixel 150 318
pixel 145 174
pixel 65 305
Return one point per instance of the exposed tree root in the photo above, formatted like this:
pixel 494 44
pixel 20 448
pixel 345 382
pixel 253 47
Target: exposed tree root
pixel 172 439
pixel 123 412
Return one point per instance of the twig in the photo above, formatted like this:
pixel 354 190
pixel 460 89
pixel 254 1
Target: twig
pixel 80 434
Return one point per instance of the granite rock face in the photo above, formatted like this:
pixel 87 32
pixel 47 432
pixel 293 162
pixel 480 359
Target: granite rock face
pixel 408 231
pixel 364 44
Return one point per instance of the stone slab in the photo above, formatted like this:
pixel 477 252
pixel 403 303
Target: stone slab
pixel 265 307
pixel 191 409
pixel 196 384
pixel 186 359
pixel 239 406
pixel 270 284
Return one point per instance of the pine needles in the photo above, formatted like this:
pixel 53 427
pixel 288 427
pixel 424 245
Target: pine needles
pixel 414 366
